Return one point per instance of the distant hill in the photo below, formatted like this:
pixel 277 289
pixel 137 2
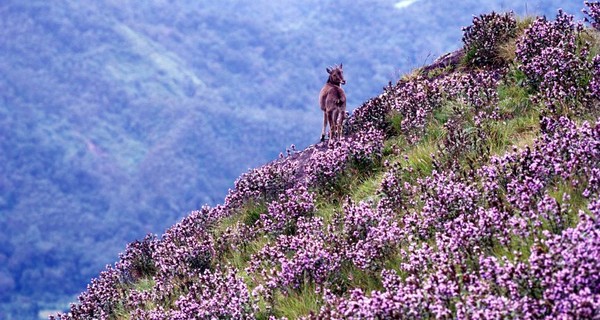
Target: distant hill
pixel 117 118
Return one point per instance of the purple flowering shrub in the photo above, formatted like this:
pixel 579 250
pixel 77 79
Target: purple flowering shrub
pixel 559 280
pixel 415 100
pixel 325 166
pixel 293 262
pixel 185 248
pixel 419 295
pixel 474 101
pixel 235 239
pixel 519 181
pixel 282 214
pixel 361 151
pixel 102 297
pixel 365 149
pixel 365 236
pixel 554 59
pixel 482 38
pixel 372 114
pixel 543 34
pixel 262 184
pixel 395 187
pixel 136 262
pixel 444 197
pixel 216 295
pixel 479 91
pixel 593 13
pixel 213 295
pixel 453 274
pixel 595 83
pixel 464 145
pixel 565 153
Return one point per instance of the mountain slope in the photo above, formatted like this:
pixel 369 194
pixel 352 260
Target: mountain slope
pixel 425 209
pixel 117 118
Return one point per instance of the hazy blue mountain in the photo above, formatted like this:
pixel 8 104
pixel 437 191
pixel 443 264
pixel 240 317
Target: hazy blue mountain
pixel 119 117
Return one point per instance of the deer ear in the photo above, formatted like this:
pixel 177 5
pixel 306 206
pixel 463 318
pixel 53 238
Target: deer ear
pixel 328 70
pixel 341 65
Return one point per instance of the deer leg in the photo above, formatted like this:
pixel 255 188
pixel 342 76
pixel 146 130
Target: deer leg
pixel 333 127
pixel 339 125
pixel 324 126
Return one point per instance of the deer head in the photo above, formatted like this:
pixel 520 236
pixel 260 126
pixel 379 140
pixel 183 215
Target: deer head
pixel 336 75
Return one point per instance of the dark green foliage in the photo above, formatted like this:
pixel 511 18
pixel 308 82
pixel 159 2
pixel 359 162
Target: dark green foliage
pixel 252 212
pixel 395 123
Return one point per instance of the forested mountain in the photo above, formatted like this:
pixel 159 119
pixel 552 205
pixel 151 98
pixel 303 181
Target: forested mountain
pixel 117 118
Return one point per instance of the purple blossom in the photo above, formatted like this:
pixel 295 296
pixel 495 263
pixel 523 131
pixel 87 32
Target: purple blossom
pixel 282 214
pixel 483 37
pixel 595 83
pixel 593 13
pixel 366 236
pixel 292 262
pixel 262 184
pixel 555 62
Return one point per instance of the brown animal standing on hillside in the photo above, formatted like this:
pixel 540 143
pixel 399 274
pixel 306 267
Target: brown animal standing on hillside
pixel 333 103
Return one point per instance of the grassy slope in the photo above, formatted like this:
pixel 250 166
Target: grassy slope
pixel 519 131
pixel 360 185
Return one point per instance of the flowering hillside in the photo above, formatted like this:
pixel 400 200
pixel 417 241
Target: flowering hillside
pixel 469 189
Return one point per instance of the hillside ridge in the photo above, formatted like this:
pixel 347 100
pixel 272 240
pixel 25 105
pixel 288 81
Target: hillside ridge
pixel 426 209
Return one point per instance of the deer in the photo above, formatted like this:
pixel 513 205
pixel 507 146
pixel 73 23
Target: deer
pixel 332 100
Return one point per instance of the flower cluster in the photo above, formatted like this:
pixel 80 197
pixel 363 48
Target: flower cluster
pixel 366 236
pixel 543 34
pixel 325 166
pixel 101 298
pixel 595 83
pixel 420 295
pixel 559 280
pixel 593 11
pixel 214 295
pixel 399 194
pixel 555 62
pixel 295 261
pixel 415 100
pixel 136 262
pixel 282 215
pixel 219 294
pixel 185 248
pixel 371 115
pixel 235 238
pixel 262 184
pixel 478 90
pixel 366 147
pixel 463 146
pixel 485 35
pixel 444 197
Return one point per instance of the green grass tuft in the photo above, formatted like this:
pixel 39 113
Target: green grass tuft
pixel 252 212
pixel 298 304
